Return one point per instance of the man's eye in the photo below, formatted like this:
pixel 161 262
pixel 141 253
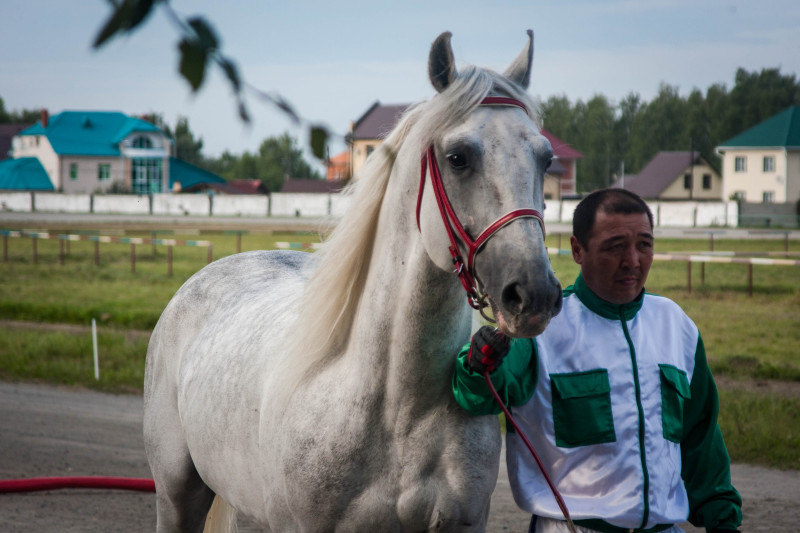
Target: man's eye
pixel 458 161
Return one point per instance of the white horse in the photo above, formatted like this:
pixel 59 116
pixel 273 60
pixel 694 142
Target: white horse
pixel 311 392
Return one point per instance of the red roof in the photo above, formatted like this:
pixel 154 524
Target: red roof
pixel 561 149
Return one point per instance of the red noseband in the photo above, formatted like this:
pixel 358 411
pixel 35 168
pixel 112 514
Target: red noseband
pixel 452 225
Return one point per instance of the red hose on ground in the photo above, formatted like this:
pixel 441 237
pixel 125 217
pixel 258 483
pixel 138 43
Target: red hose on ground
pixel 84 482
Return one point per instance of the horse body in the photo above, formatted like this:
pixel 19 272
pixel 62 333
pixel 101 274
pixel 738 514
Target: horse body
pixel 365 432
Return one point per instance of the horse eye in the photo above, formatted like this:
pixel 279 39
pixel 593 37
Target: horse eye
pixel 458 161
pixel 547 165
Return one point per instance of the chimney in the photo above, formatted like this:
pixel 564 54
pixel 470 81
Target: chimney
pixel 45 118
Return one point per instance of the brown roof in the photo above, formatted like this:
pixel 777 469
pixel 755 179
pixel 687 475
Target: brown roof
pixel 7 132
pixel 378 121
pixel 657 175
pixel 312 185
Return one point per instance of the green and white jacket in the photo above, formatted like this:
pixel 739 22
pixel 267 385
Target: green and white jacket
pixel 620 404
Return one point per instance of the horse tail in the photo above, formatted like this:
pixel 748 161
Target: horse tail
pixel 221 517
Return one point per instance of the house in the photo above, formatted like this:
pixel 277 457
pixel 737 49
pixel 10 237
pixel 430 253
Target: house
pixel 338 167
pixel 762 164
pixel 675 176
pixel 368 132
pixel 379 120
pixel 101 151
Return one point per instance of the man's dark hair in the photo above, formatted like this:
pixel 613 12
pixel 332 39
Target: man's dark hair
pixel 611 201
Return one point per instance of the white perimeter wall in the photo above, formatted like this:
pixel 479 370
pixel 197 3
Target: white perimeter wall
pixel 666 214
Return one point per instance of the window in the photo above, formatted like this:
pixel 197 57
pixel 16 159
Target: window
pixel 768 197
pixel 142 142
pixel 370 149
pixel 73 171
pixel 146 175
pixel 740 164
pixel 769 163
pixel 706 181
pixel 103 171
pixel 687 181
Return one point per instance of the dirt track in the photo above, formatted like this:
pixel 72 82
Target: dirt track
pixel 49 431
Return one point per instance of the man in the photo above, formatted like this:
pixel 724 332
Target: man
pixel 615 395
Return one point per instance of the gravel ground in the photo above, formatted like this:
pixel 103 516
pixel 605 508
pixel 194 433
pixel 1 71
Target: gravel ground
pixel 51 431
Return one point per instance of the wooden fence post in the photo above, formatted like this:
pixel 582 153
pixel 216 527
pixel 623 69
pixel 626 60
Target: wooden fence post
pixel 133 258
pixel 35 250
pixel 210 255
pixel 169 260
pixel 689 275
pixel 97 253
pixel 61 251
pixel 5 248
pixel 750 279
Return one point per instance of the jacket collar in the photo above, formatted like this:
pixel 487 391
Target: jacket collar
pixel 602 307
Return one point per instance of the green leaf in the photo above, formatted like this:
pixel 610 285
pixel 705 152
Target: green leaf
pixel 229 67
pixel 318 140
pixel 206 36
pixel 193 62
pixel 127 15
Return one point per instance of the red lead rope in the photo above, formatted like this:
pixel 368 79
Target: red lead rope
pixel 85 482
pixel 509 418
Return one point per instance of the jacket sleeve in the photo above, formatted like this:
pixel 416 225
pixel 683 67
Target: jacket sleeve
pixel 515 379
pixel 713 501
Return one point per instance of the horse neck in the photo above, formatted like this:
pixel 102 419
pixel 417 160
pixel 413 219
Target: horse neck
pixel 413 317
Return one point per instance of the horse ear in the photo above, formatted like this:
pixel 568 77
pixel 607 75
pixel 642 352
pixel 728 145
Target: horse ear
pixel 520 70
pixel 441 63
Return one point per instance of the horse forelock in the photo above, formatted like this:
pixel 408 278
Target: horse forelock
pixel 339 270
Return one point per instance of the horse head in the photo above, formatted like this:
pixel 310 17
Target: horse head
pixel 484 215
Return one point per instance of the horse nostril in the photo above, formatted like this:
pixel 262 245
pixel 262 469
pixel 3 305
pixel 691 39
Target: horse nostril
pixel 513 298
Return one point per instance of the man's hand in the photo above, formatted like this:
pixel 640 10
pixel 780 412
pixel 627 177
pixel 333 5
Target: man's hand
pixel 488 348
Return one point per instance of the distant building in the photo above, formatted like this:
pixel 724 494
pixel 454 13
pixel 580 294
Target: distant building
pixel 762 164
pixel 675 176
pixel 369 131
pixel 99 151
pixel 339 167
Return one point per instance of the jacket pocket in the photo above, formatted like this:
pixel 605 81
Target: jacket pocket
pixel 674 391
pixel 582 408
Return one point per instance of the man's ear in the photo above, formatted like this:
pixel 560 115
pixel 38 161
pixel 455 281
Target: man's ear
pixel 577 249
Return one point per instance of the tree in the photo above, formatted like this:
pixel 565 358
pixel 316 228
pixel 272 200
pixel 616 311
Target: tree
pixel 24 116
pixel 186 146
pixel 277 159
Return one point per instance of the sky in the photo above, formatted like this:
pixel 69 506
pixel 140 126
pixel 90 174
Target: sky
pixel 332 60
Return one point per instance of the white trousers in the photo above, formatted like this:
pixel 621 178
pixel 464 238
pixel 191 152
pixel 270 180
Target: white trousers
pixel 551 525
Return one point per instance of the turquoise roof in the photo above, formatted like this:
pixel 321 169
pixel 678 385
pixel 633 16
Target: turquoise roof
pixel 189 175
pixel 781 130
pixel 91 133
pixel 24 174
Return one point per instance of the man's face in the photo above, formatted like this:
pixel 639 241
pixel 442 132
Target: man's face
pixel 617 258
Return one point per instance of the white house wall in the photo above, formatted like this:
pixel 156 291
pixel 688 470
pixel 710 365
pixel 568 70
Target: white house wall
pixel 793 175
pixel 39 146
pixel 753 181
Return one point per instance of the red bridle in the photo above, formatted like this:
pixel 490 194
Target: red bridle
pixel 452 225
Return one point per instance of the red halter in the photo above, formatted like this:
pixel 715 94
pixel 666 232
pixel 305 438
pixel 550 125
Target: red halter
pixel 452 225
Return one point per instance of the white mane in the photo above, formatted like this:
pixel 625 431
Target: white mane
pixel 340 267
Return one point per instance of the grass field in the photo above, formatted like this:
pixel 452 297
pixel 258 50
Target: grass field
pixel 747 338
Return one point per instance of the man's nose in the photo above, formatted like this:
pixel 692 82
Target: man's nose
pixel 630 258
